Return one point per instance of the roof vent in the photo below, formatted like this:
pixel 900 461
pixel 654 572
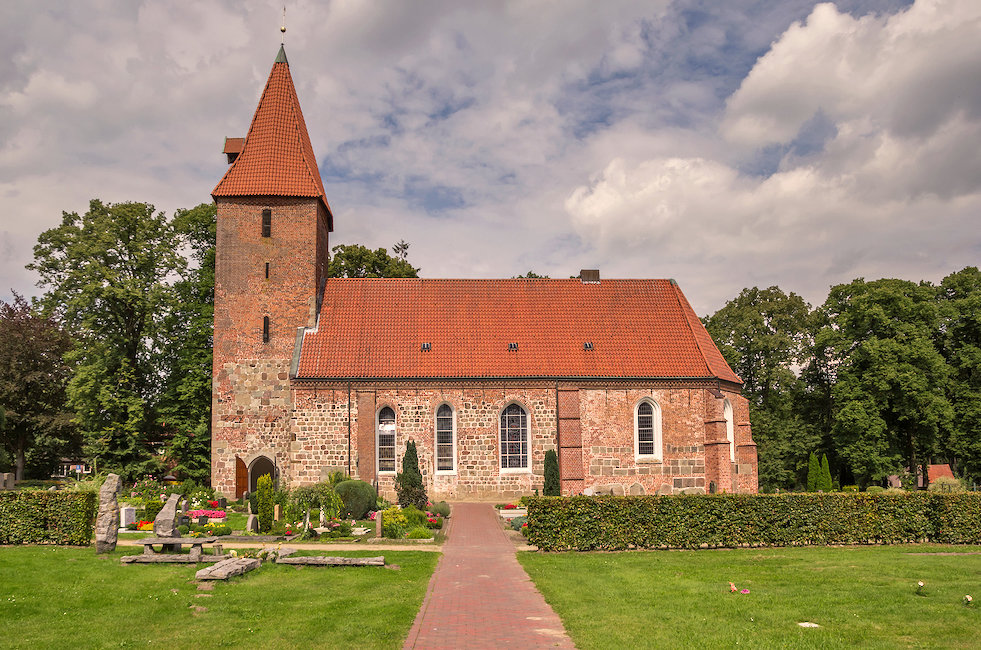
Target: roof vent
pixel 512 347
pixel 426 347
pixel 233 147
pixel 588 345
pixel 589 276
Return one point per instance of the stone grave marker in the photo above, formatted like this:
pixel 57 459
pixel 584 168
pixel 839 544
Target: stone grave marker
pixel 165 525
pixel 252 524
pixel 127 516
pixel 378 524
pixel 277 513
pixel 7 481
pixel 222 503
pixel 107 522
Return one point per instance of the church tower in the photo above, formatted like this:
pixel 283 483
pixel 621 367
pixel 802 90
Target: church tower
pixel 270 267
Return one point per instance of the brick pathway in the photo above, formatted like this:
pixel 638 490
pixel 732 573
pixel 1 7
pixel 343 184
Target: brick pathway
pixel 479 596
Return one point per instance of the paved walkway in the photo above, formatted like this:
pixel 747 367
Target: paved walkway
pixel 479 596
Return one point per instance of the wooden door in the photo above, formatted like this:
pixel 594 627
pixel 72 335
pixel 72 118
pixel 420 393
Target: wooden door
pixel 241 478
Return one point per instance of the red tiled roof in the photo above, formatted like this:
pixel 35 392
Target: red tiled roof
pixel 936 471
pixel 277 158
pixel 375 328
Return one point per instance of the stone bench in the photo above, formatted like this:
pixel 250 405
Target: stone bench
pixel 196 544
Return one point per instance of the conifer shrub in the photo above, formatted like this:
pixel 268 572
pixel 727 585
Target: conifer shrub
pixel 824 482
pixel 551 488
pixel 813 472
pixel 266 499
pixel 358 497
pixel 408 482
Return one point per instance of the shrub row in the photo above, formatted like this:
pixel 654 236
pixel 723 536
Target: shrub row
pixel 730 520
pixel 33 517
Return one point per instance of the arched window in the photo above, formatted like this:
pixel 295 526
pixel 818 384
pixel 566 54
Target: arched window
pixel 445 439
pixel 730 435
pixel 647 431
pixel 514 438
pixel 386 440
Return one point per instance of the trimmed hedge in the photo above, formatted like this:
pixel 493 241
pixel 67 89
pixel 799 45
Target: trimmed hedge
pixel 729 520
pixel 31 517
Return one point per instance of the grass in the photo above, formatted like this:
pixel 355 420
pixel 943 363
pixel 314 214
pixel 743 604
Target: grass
pixel 60 597
pixel 860 596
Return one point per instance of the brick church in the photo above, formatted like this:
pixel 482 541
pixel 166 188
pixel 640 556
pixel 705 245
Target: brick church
pixel 315 374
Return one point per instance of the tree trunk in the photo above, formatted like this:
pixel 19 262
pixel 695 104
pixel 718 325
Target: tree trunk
pixel 19 461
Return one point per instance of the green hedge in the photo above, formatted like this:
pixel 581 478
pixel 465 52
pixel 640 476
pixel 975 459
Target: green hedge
pixel 33 517
pixel 730 520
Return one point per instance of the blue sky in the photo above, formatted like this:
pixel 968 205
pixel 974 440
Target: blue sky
pixel 724 144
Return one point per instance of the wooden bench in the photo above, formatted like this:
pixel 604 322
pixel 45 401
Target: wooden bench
pixel 196 544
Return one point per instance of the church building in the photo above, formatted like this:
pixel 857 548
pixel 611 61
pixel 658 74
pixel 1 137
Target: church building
pixel 315 374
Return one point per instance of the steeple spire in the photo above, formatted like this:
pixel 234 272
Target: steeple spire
pixel 277 158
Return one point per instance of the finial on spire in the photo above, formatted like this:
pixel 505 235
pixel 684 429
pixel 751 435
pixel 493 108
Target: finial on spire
pixel 283 28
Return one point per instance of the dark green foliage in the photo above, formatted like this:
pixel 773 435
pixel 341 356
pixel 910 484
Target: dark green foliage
pixel 152 509
pixel 183 529
pixel 517 522
pixel 813 473
pixel 824 484
pixel 357 261
pixel 359 497
pixel 41 517
pixel 266 501
pixel 729 520
pixel 414 516
pixel 408 482
pixel 442 509
pixel 551 474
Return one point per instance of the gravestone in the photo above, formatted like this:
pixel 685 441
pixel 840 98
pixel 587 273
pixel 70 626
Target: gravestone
pixel 107 522
pixel 378 524
pixel 277 513
pixel 165 525
pixel 323 518
pixel 7 481
pixel 222 503
pixel 202 520
pixel 127 516
pixel 252 524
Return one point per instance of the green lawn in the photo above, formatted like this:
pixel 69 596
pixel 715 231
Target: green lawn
pixel 860 596
pixel 69 597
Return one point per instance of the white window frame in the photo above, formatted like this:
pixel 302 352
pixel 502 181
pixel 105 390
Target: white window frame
pixel 730 429
pixel 436 469
pixel 658 454
pixel 526 469
pixel 395 446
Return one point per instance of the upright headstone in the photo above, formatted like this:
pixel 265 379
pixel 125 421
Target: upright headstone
pixel 127 516
pixel 222 503
pixel 378 524
pixel 323 518
pixel 277 513
pixel 165 525
pixel 252 524
pixel 7 481
pixel 107 522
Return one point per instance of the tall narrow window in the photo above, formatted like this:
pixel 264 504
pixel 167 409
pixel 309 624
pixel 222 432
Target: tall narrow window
pixel 730 433
pixel 266 222
pixel 514 438
pixel 265 329
pixel 647 431
pixel 386 440
pixel 444 439
pixel 267 270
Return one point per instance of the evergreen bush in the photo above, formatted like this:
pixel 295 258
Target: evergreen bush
pixel 824 483
pixel 414 516
pixel 551 474
pixel 42 517
pixel 266 498
pixel 152 509
pixel 813 472
pixel 358 496
pixel 419 532
pixel 408 482
pixel 442 509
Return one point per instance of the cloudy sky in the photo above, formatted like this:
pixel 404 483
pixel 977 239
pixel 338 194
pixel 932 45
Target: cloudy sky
pixel 723 144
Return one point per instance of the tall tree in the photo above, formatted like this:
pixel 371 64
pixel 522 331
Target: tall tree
pixel 36 426
pixel 960 344
pixel 889 406
pixel 357 261
pixel 764 336
pixel 184 410
pixel 107 273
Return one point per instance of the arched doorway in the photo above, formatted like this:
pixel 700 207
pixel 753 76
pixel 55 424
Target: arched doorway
pixel 260 467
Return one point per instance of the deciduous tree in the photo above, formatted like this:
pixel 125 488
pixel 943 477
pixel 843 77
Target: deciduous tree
pixel 357 261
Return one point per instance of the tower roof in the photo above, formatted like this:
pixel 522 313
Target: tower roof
pixel 277 158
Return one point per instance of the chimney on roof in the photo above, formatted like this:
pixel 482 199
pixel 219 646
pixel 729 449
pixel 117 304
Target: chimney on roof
pixel 589 276
pixel 233 147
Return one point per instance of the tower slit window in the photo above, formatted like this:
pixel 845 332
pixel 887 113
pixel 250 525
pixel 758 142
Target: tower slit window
pixel 267 270
pixel 267 222
pixel 265 329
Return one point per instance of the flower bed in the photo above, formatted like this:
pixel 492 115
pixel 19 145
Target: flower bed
pixel 210 514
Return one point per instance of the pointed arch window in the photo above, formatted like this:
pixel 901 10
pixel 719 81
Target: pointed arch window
pixel 730 429
pixel 445 440
pixel 385 440
pixel 647 431
pixel 514 438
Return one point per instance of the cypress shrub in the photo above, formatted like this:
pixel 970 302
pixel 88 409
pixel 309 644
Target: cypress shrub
pixel 266 499
pixel 408 482
pixel 813 472
pixel 551 474
pixel 825 482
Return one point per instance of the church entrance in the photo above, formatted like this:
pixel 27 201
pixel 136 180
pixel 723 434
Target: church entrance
pixel 259 467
